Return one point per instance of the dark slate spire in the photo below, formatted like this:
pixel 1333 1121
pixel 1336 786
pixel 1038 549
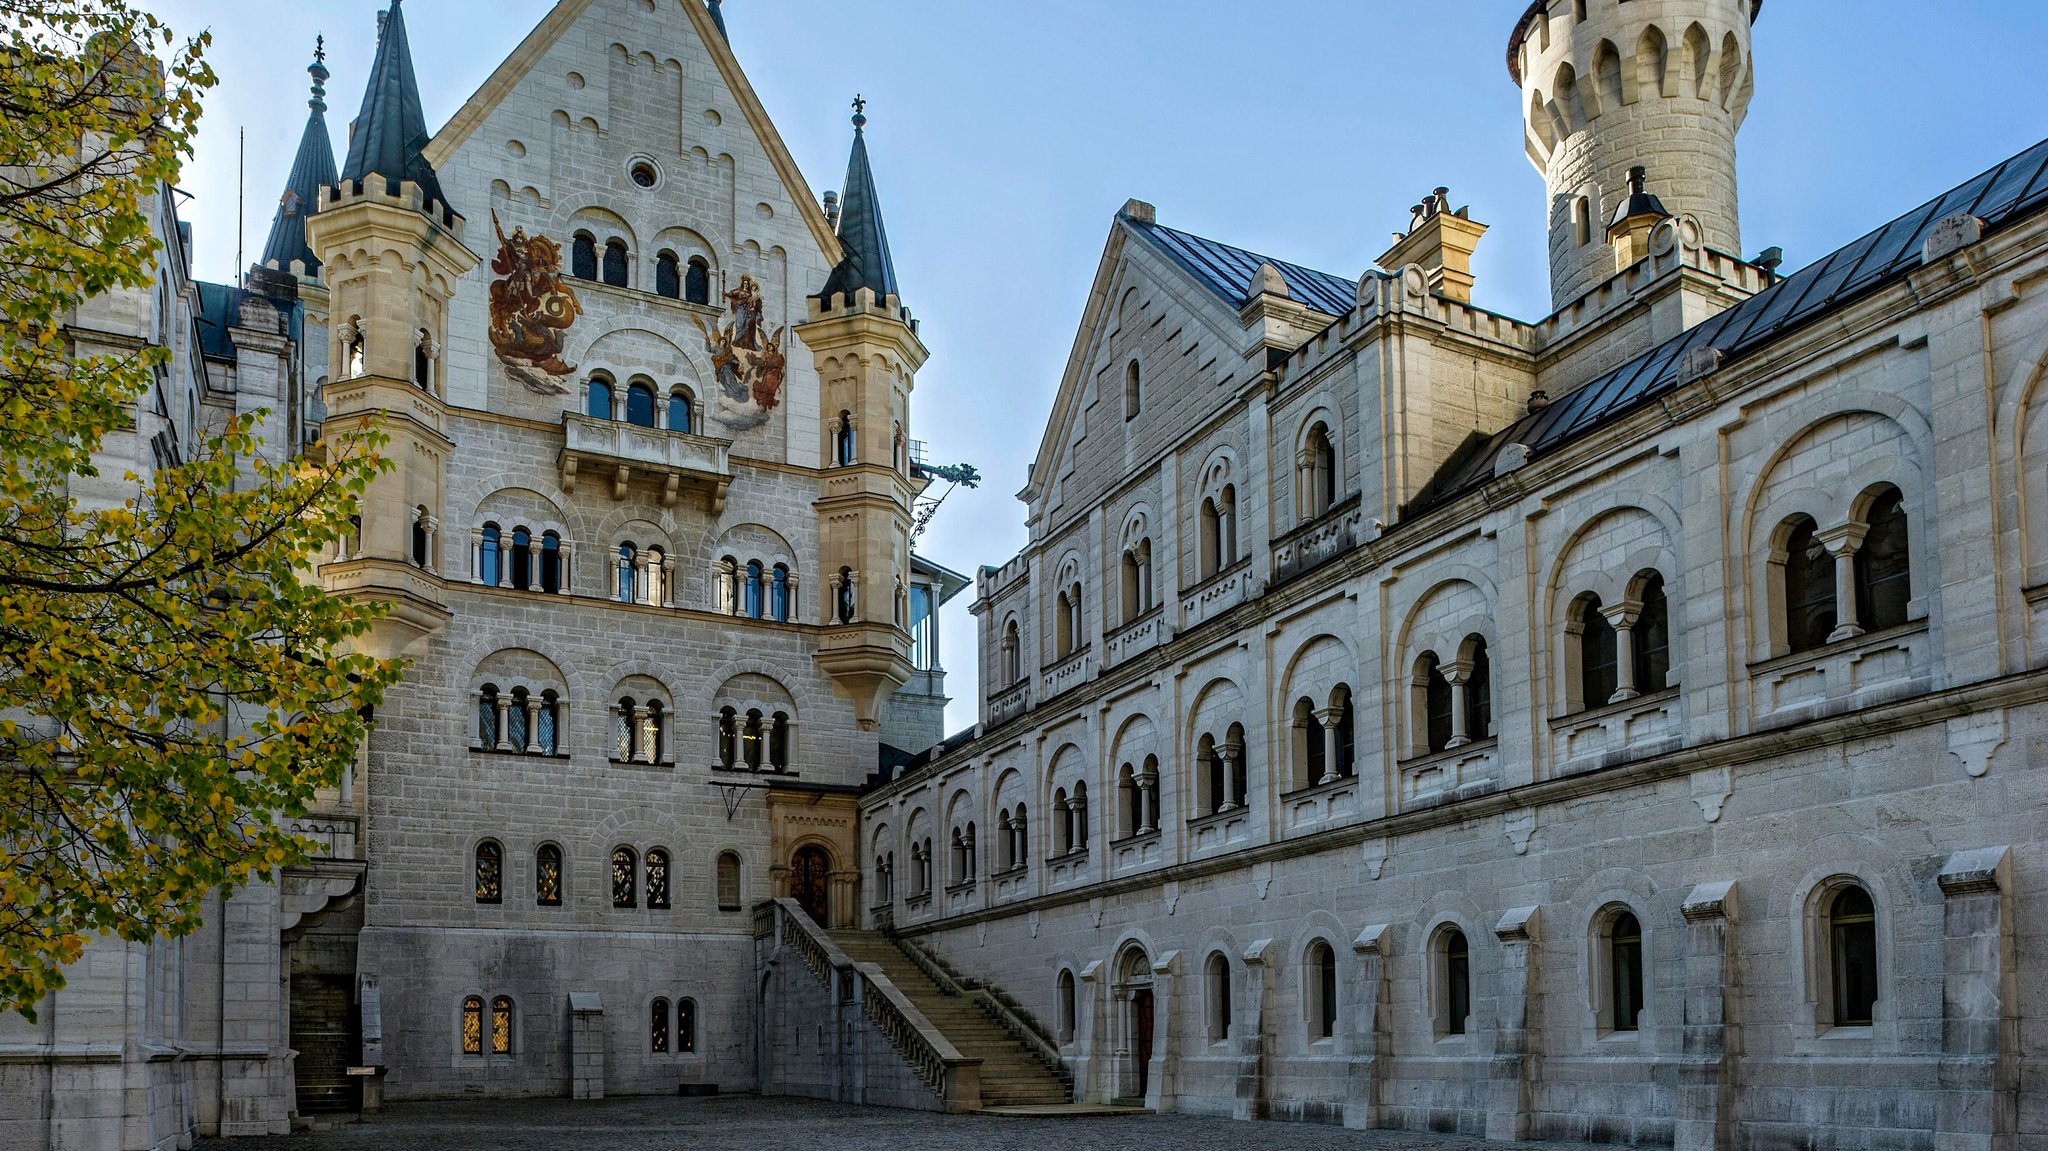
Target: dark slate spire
pixel 390 133
pixel 718 18
pixel 866 263
pixel 311 170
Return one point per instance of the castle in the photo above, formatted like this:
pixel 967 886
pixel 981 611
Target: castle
pixel 1614 726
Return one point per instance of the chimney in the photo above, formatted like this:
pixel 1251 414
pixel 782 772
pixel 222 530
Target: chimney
pixel 832 210
pixel 1442 242
pixel 1634 219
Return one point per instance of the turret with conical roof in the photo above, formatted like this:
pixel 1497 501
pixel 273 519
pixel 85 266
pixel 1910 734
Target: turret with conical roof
pixel 868 355
pixel 391 252
pixel 312 169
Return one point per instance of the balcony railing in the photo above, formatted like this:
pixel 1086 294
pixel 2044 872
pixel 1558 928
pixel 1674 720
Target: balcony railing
pixel 1319 541
pixel 620 453
pixel 1009 703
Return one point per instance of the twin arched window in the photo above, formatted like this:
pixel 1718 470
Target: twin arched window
pixel 1137 795
pixel 1827 600
pixel 964 853
pixel 1316 473
pixel 1013 840
pixel 473 1025
pixel 1219 531
pixel 639 729
pixel 921 863
pixel 1618 652
pixel 1453 702
pixel 683 1037
pixel 1220 772
pixel 845 449
pixel 1324 743
pixel 1070 819
pixel 643 576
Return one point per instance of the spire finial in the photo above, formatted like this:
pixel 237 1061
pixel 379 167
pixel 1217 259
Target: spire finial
pixel 318 70
pixel 718 18
pixel 860 112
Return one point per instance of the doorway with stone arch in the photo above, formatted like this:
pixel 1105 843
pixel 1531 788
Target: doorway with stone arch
pixel 1136 1018
pixel 810 871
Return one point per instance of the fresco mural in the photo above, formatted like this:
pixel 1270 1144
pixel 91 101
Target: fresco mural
pixel 748 362
pixel 532 310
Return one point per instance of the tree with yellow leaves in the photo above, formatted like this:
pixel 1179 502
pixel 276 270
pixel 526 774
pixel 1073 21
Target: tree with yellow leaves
pixel 170 684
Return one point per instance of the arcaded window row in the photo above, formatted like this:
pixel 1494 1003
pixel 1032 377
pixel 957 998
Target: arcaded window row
pixel 633 877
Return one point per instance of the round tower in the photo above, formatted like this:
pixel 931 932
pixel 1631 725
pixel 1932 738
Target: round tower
pixel 1611 85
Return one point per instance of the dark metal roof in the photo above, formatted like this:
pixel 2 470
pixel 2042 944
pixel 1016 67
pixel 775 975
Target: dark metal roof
pixel 1228 271
pixel 865 262
pixel 389 135
pixel 2003 195
pixel 219 304
pixel 312 170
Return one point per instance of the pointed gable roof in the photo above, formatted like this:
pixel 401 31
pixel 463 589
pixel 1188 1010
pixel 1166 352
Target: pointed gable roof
pixel 1228 271
pixel 390 133
pixel 862 238
pixel 312 169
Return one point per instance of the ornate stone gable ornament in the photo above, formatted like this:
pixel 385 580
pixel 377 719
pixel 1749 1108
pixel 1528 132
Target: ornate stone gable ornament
pixel 532 310
pixel 748 363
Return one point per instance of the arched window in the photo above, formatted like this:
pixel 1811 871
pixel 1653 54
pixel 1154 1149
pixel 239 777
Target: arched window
pixel 1582 220
pixel 846 596
pixel 1006 842
pixel 1320 977
pixel 1454 1003
pixel 1596 644
pixel 1078 808
pixel 1884 575
pixel 778 594
pixel 1063 823
pixel 1436 704
pixel 1130 804
pixel 1134 399
pixel 627 584
pixel 501 1025
pixel 1209 761
pixel 778 742
pixel 522 559
pixel 1066 626
pixel 657 1027
pixel 422 361
pixel 729 881
pixel 668 279
pixel 754 596
pixel 1810 614
pixel 843 447
pixel 547 724
pixel 686 1025
pixel 657 879
pixel 623 730
pixel 751 738
pixel 1211 540
pixel 421 537
pixel 583 256
pixel 473 1025
pixel 682 416
pixel 1852 955
pixel 640 405
pixel 1625 970
pixel 490 872
pixel 487 717
pixel 598 400
pixel 1318 472
pixel 1310 754
pixel 517 725
pixel 1226 517
pixel 488 556
pixel 1013 660
pixel 1652 637
pixel 697 281
pixel 547 875
pixel 550 563
pixel 1478 689
pixel 1346 740
pixel 652 724
pixel 728 738
pixel 625 880
pixel 1216 976
pixel 615 263
pixel 1063 1011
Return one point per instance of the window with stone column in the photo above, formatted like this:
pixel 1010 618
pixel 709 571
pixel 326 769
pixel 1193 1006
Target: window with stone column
pixel 1433 711
pixel 1137 580
pixel 1077 818
pixel 1311 755
pixel 1472 680
pixel 1316 479
pixel 1805 576
pixel 1012 662
pixel 490 872
pixel 1591 675
pixel 1883 562
pixel 520 720
pixel 640 727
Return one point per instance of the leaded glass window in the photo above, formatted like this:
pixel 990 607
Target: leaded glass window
pixel 657 1027
pixel 728 737
pixel 501 1025
pixel 615 263
pixel 583 257
pixel 516 720
pixel 667 276
pixel 697 282
pixel 624 882
pixel 626 554
pixel 473 1026
pixel 657 879
pixel 752 737
pixel 487 717
pixel 686 1025
pixel 547 876
pixel 623 719
pixel 650 732
pixel 490 872
pixel 545 724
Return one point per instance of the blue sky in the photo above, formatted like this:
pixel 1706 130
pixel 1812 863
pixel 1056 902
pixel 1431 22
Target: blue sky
pixel 1005 136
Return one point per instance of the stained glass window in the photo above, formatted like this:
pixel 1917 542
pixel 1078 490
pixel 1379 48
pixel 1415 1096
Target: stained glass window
pixel 544 724
pixel 547 876
pixel 686 1025
pixel 487 717
pixel 657 1026
pixel 624 717
pixel 650 732
pixel 624 893
pixel 490 872
pixel 657 879
pixel 501 1026
pixel 516 720
pixel 472 1026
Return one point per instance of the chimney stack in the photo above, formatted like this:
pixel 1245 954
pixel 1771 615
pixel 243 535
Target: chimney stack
pixel 1442 242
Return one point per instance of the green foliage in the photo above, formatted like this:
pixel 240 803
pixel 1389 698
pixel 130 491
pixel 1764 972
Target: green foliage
pixel 170 684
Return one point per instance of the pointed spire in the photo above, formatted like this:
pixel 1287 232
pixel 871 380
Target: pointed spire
pixel 866 263
pixel 311 169
pixel 389 135
pixel 718 18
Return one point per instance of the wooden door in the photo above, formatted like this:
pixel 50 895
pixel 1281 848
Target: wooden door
pixel 1141 1037
pixel 808 884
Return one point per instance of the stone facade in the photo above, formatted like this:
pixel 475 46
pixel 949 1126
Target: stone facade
pixel 1371 812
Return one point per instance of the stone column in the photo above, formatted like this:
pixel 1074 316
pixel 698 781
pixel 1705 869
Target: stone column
pixel 668 581
pixel 796 614
pixel 1842 542
pixel 498 744
pixel 532 725
pixel 564 564
pixel 1978 1109
pixel 476 555
pixel 1326 721
pixel 643 749
pixel 1515 1058
pixel 1706 1069
pixel 1233 754
pixel 1457 673
pixel 1623 616
pixel 1251 1033
pixel 1370 1037
pixel 1159 1084
pixel 1148 808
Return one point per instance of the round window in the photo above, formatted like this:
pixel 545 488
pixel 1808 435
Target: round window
pixel 643 174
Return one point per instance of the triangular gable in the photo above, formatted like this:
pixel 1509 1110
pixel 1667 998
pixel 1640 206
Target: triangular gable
pixel 514 68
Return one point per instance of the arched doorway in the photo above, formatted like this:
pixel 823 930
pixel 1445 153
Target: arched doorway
pixel 1134 990
pixel 809 883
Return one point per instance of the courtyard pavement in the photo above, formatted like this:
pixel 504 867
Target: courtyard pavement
pixel 753 1123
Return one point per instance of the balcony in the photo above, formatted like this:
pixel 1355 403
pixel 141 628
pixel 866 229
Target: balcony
pixel 1009 703
pixel 1218 594
pixel 622 453
pixel 1138 637
pixel 1319 541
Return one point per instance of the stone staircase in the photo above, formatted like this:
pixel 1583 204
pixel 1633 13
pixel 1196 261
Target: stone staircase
pixel 1014 1073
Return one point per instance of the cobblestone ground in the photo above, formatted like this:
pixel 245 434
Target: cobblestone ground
pixel 752 1123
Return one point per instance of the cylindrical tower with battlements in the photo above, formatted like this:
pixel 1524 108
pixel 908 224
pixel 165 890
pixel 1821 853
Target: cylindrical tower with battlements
pixel 1609 85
